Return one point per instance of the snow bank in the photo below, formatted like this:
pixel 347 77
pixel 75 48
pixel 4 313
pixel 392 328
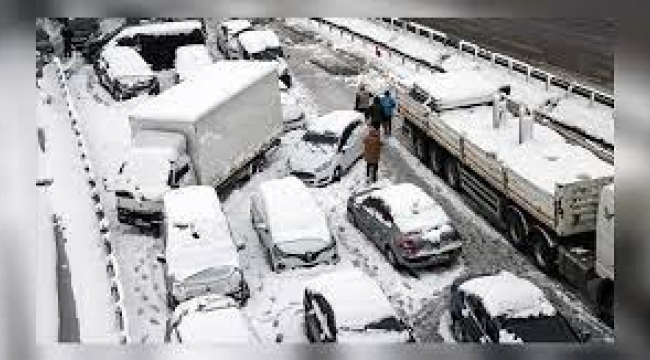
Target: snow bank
pixel 505 294
pixel 211 87
pixel 334 122
pixel 292 211
pixel 356 299
pixel 125 61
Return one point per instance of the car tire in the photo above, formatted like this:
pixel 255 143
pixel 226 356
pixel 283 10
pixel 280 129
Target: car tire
pixel 457 331
pixel 336 176
pixel 544 250
pixel 516 227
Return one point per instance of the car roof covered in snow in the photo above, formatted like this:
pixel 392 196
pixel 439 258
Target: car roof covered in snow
pixel 355 298
pixel 255 41
pixel 505 294
pixel 212 319
pixel 236 25
pixel 292 211
pixel 125 61
pixel 197 232
pixel 334 122
pixel 191 59
pixel 212 86
pixel 160 28
pixel 410 206
pixel 457 86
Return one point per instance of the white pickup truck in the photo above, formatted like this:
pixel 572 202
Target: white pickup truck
pixel 213 129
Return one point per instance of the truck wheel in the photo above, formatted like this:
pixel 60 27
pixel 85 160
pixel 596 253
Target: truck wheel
pixel 452 177
pixel 457 330
pixel 544 250
pixel 337 174
pixel 435 158
pixel 516 227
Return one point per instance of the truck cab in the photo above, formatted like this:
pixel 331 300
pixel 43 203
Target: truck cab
pixel 157 163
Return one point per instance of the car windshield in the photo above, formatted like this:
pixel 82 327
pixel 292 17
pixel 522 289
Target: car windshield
pixel 326 138
pixel 540 329
pixel 222 279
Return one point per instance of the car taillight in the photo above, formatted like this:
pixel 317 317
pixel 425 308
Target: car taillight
pixel 409 244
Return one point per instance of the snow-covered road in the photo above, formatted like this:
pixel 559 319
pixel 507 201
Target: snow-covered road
pixel 275 307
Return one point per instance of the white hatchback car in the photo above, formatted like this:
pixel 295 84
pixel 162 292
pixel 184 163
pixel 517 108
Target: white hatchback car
pixel 209 319
pixel 292 228
pixel 330 146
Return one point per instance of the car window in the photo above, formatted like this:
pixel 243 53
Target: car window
pixel 346 133
pixel 378 209
pixel 181 172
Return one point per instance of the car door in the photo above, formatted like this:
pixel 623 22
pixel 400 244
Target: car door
pixel 475 320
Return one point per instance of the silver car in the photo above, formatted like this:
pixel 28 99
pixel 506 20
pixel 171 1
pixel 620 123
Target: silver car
pixel 409 227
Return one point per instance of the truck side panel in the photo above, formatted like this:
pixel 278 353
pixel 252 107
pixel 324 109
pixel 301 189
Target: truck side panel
pixel 235 132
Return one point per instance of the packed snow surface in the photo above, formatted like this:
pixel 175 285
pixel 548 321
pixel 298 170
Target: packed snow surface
pixel 412 209
pixel 355 298
pixel 125 61
pixel 212 86
pixel 334 122
pixel 505 294
pixel 212 319
pixel 545 160
pixel 292 211
pixel 256 41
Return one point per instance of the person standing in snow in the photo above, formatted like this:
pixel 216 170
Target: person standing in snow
pixel 66 34
pixel 371 152
pixel 387 107
pixel 362 101
pixel 375 113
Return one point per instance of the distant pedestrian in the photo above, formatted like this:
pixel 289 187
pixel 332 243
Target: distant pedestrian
pixel 362 101
pixel 66 34
pixel 375 113
pixel 387 107
pixel 371 153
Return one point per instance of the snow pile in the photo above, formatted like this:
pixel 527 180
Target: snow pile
pixel 125 61
pixel 191 59
pixel 334 122
pixel 508 295
pixel 411 208
pixel 293 212
pixel 211 87
pixel 545 160
pixel 256 41
pixel 212 319
pixel 355 298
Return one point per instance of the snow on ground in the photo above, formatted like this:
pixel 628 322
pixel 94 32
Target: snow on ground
pixel 596 120
pixel 71 201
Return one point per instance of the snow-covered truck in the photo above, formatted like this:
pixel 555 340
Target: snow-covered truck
pixel 217 127
pixel 542 190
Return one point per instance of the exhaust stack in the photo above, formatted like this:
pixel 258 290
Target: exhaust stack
pixel 525 124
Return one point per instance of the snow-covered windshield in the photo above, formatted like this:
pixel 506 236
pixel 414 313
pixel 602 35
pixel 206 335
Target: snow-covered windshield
pixel 301 246
pixel 539 329
pixel 222 279
pixel 326 138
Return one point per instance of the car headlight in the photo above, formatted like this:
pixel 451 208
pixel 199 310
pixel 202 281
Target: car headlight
pixel 324 165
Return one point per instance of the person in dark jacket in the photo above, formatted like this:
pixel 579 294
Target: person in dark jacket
pixel 387 107
pixel 371 153
pixel 375 113
pixel 66 34
pixel 362 101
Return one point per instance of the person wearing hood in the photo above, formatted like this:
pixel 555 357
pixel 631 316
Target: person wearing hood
pixel 371 153
pixel 362 101
pixel 387 108
pixel 375 113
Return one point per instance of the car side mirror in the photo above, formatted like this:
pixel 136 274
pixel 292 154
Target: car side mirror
pixel 161 259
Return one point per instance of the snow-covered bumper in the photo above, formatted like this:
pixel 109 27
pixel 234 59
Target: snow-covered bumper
pixel 181 291
pixel 442 253
pixel 319 176
pixel 288 261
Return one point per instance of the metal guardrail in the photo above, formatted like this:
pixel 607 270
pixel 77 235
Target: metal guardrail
pixel 112 270
pixel 497 59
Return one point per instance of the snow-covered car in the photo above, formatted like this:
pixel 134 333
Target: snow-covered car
pixel 505 308
pixel 330 146
pixel 292 228
pixel 293 115
pixel 406 224
pixel 349 306
pixel 200 254
pixel 124 73
pixel 262 45
pixel 191 59
pixel 209 319
pixel 227 31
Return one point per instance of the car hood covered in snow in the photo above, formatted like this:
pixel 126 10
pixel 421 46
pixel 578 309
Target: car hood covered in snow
pixel 307 156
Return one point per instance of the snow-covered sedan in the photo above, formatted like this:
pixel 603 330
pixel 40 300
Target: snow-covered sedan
pixel 330 146
pixel 200 255
pixel 406 224
pixel 505 308
pixel 292 228
pixel 124 73
pixel 349 306
pixel 209 319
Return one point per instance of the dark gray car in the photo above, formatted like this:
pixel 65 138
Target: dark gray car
pixel 409 227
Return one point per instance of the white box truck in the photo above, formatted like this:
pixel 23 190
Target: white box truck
pixel 216 127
